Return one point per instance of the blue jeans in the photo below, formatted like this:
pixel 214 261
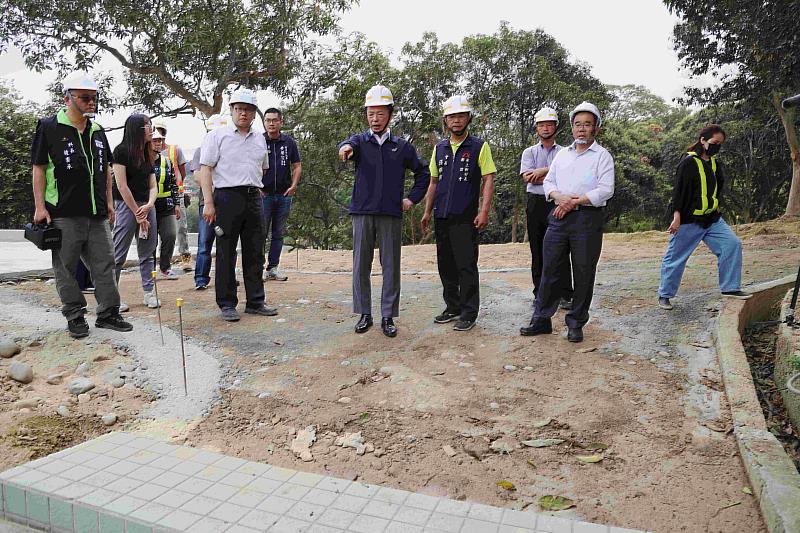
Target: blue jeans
pixel 205 240
pixel 276 212
pixel 722 241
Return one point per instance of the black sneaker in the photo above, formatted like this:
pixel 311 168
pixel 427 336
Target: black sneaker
pixel 445 317
pixel 78 328
pixel 229 314
pixel 464 325
pixel 739 295
pixel 114 322
pixel 262 310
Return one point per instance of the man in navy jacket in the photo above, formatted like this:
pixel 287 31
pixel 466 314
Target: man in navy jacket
pixel 377 206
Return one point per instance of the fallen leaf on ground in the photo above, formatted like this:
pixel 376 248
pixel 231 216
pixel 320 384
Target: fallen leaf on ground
pixel 589 458
pixel 542 443
pixel 596 446
pixel 530 462
pixel 585 350
pixel 506 485
pixel 555 503
pixel 542 423
pixel 271 448
pixel 747 490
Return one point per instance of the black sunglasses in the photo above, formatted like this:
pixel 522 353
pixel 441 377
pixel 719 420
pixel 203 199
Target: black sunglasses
pixel 85 99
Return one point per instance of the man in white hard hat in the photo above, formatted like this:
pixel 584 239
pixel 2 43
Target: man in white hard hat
pixel 377 206
pixel 72 189
pixel 178 159
pixel 205 233
pixel 533 168
pixel 580 182
pixel 232 161
pixel 459 198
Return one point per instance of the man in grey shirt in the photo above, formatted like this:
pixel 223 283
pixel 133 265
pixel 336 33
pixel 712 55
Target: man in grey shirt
pixel 533 168
pixel 233 159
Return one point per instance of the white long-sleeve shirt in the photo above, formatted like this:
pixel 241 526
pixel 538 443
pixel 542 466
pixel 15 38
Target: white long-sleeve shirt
pixel 590 172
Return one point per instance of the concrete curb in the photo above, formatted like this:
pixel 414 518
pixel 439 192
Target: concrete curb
pixel 773 476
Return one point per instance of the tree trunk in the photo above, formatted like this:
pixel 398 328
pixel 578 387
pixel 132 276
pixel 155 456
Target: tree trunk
pixel 787 119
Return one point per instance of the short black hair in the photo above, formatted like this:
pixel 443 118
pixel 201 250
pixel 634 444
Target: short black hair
pixel 274 110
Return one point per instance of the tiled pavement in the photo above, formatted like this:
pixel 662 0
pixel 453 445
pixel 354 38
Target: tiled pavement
pixel 126 483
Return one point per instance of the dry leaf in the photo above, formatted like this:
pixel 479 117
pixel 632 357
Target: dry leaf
pixel 542 423
pixel 589 458
pixel 747 490
pixel 596 446
pixel 506 485
pixel 555 503
pixel 530 462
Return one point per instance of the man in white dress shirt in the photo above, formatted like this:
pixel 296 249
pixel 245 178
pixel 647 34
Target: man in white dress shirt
pixel 232 160
pixel 580 182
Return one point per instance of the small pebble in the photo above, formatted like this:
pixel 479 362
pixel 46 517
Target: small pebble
pixel 345 400
pixel 509 367
pixel 62 411
pixel 494 405
pixel 345 363
pixel 109 420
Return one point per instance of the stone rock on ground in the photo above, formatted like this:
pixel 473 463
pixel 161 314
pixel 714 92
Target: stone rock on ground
pixel 54 379
pixel 301 444
pixel 8 348
pixel 29 403
pixel 80 385
pixel 352 440
pixel 63 411
pixel 19 371
pixel 117 383
pixel 110 419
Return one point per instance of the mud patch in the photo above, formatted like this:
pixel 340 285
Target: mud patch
pixel 43 435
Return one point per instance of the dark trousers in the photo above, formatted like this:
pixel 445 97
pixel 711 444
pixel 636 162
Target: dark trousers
pixel 239 215
pixel 577 236
pixel 537 211
pixel 276 213
pixel 457 258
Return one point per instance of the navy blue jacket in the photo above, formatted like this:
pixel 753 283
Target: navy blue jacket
pixel 381 172
pixel 282 152
pixel 459 184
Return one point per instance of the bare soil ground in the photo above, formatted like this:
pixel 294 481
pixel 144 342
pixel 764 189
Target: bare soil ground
pixel 446 413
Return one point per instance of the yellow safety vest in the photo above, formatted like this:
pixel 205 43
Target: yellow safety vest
pixel 704 207
pixel 162 177
pixel 172 151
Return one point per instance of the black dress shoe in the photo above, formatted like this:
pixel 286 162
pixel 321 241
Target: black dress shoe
pixel 388 327
pixel 565 304
pixel 538 326
pixel 364 323
pixel 575 335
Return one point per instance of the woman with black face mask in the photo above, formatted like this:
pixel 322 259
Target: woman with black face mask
pixel 696 217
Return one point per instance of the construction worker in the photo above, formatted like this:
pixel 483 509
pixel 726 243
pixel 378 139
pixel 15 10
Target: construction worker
pixel 232 160
pixel 459 199
pixel 533 168
pixel 377 206
pixel 72 190
pixel 280 185
pixel 205 233
pixel 580 182
pixel 696 217
pixel 175 155
pixel 168 211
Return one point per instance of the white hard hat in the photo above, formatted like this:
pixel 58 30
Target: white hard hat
pixel 545 114
pixel 378 95
pixel 458 103
pixel 589 107
pixel 157 134
pixel 244 96
pixel 216 121
pixel 78 80
pixel 159 124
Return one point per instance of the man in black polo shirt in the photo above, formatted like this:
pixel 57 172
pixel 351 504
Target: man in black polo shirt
pixel 280 184
pixel 72 189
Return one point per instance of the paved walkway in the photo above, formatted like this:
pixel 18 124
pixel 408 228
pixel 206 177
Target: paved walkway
pixel 126 483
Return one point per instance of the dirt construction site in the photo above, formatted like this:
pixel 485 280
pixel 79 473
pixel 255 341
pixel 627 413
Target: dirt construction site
pixel 632 426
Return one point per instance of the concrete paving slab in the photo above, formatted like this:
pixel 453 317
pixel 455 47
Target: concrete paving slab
pixel 239 497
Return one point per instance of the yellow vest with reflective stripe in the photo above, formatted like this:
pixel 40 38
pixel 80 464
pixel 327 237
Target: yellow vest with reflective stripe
pixel 162 177
pixel 704 207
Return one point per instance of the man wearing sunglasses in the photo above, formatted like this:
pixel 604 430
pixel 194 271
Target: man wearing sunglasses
pixel 72 190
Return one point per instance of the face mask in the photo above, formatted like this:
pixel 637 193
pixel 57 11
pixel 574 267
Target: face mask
pixel 713 149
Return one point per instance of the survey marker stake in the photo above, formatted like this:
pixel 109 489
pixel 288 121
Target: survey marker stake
pixel 160 328
pixel 179 302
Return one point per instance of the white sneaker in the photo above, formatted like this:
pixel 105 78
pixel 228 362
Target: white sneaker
pixel 151 301
pixel 124 308
pixel 273 274
pixel 169 274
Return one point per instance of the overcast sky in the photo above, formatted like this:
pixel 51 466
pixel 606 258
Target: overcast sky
pixel 623 41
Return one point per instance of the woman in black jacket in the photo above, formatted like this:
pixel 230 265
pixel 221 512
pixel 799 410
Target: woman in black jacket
pixel 696 217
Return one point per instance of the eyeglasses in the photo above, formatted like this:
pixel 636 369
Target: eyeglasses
pixel 244 110
pixel 85 99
